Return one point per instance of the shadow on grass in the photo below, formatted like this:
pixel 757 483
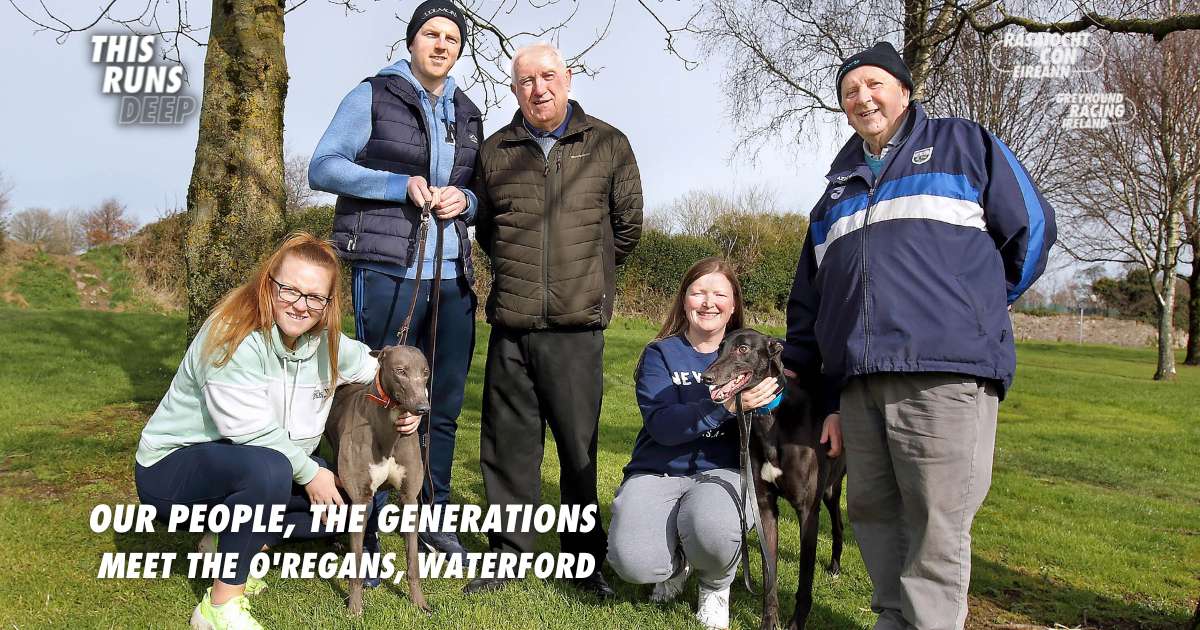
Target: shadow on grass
pixel 141 346
pixel 1015 596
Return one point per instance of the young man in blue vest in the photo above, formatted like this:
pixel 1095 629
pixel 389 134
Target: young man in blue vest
pixel 929 228
pixel 401 139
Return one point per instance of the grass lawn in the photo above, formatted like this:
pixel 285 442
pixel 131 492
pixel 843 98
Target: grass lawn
pixel 1093 519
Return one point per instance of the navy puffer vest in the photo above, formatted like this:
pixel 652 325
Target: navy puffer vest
pixel 386 231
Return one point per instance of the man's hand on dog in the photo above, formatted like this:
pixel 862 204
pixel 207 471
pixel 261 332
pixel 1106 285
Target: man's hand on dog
pixel 754 397
pixel 831 430
pixel 831 433
pixel 322 490
pixel 405 425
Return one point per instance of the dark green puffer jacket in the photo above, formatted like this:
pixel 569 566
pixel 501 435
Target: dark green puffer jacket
pixel 556 228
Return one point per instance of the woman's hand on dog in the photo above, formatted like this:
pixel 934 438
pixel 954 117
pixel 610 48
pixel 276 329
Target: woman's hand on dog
pixel 322 489
pixel 831 433
pixel 755 397
pixel 405 425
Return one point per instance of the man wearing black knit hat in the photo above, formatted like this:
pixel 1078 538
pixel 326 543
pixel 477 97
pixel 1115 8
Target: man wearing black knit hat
pixel 402 139
pixel 927 230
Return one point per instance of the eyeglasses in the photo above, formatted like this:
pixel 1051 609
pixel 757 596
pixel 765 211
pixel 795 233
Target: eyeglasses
pixel 289 295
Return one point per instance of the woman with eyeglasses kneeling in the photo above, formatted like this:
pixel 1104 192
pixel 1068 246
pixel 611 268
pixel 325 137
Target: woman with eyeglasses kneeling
pixel 246 410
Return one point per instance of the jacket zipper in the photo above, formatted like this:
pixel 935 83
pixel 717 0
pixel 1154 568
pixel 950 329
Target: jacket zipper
pixel 354 237
pixel 549 203
pixel 865 275
pixel 866 278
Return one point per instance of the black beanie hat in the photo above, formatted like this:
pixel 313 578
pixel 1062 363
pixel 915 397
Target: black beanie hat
pixel 883 55
pixel 437 8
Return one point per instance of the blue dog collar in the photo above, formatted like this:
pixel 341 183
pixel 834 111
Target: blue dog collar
pixel 769 407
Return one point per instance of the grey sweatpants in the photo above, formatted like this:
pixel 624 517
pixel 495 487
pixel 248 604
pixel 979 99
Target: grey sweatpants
pixel 660 522
pixel 919 464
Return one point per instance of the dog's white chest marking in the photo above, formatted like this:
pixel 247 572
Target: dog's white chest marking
pixel 770 472
pixel 386 470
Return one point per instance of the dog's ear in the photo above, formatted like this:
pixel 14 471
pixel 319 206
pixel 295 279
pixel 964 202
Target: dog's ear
pixel 774 347
pixel 375 353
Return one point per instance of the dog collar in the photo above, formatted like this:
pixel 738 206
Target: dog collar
pixel 769 407
pixel 380 397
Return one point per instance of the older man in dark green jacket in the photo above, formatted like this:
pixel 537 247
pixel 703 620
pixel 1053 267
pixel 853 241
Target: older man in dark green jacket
pixel 560 206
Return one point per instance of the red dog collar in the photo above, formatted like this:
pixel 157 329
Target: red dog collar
pixel 380 397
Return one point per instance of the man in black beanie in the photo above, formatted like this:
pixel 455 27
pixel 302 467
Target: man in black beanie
pixel 436 8
pixel 927 231
pixel 402 139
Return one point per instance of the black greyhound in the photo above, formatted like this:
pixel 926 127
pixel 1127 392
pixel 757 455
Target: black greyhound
pixel 786 459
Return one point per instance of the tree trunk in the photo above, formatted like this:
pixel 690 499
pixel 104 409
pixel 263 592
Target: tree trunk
pixel 1193 341
pixel 1166 304
pixel 235 200
pixel 1192 223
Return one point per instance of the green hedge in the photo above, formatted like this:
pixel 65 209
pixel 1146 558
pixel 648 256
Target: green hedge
pixel 660 260
pixel 317 220
pixel 763 248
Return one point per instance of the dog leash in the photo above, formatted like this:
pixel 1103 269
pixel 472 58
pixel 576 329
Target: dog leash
pixel 422 233
pixel 748 493
pixel 434 296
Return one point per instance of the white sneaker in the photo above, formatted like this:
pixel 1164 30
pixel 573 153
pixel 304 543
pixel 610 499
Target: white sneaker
pixel 670 588
pixel 713 610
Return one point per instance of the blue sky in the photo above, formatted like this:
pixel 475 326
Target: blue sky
pixel 62 146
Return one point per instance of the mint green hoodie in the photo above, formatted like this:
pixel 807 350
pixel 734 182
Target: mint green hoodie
pixel 265 395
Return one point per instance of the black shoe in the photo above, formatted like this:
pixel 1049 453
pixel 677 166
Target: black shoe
pixel 595 584
pixel 485 584
pixel 443 542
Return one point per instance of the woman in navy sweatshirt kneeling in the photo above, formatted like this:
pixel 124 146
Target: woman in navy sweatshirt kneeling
pixel 677 510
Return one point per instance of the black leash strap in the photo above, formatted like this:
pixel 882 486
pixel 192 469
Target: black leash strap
pixel 435 294
pixel 749 495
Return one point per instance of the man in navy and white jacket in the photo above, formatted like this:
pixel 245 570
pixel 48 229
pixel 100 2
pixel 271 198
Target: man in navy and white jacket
pixel 400 139
pixel 927 231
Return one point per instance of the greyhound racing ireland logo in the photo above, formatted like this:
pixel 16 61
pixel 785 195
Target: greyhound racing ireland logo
pixel 1098 110
pixel 150 92
pixel 922 156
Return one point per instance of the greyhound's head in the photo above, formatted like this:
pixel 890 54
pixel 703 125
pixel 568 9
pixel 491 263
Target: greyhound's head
pixel 404 378
pixel 744 359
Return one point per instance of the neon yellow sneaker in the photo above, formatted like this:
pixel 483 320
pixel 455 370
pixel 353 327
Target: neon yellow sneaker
pixel 208 544
pixel 232 615
pixel 254 586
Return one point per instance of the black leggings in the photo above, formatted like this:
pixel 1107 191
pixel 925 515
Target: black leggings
pixel 215 473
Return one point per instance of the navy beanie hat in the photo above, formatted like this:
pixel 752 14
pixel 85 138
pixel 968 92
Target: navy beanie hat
pixel 437 8
pixel 882 55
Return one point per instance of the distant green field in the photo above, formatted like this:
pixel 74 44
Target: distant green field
pixel 1093 519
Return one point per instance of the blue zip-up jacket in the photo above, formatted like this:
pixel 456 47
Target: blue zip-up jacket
pixel 683 431
pixel 913 271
